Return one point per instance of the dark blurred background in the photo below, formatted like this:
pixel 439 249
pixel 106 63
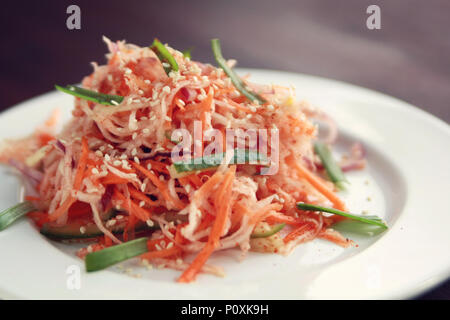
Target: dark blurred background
pixel 407 58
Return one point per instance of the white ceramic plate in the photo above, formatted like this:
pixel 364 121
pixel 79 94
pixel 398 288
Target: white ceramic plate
pixel 407 181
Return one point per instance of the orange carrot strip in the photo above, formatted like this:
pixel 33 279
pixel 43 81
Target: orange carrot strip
pixel 160 185
pixel 131 207
pixel 316 183
pixel 219 224
pixel 81 164
pixel 138 195
pixel 297 232
pixel 62 208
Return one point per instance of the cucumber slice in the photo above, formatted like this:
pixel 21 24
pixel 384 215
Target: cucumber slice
pixel 267 233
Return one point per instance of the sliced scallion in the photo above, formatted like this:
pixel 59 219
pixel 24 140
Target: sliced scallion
pixel 265 234
pixel 105 99
pixel 240 156
pixel 164 55
pixel 107 257
pixel 10 215
pixel 187 53
pixel 235 79
pixel 358 227
pixel 375 220
pixel 333 170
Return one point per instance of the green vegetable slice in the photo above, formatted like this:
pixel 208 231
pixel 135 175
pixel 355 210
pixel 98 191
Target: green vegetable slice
pixel 10 215
pixel 374 220
pixel 241 156
pixel 107 257
pixel 358 227
pixel 333 170
pixel 187 53
pixel 101 98
pixel 235 79
pixel 273 230
pixel 164 55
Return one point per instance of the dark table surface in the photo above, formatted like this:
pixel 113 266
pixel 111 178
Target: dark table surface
pixel 407 58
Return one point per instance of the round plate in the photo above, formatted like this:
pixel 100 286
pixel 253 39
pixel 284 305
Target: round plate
pixel 407 182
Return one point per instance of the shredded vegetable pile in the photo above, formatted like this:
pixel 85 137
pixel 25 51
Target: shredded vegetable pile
pixel 108 177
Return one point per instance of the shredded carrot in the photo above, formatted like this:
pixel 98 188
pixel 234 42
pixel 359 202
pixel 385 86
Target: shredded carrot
pixel 316 183
pixel 219 224
pixel 163 188
pixel 81 164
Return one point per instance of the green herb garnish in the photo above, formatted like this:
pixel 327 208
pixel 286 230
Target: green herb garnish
pixel 358 227
pixel 235 79
pixel 240 156
pixel 333 170
pixel 10 215
pixel 164 56
pixel 375 220
pixel 107 257
pixel 105 99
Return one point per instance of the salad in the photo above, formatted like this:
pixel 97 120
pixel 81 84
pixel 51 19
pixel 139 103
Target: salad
pixel 127 178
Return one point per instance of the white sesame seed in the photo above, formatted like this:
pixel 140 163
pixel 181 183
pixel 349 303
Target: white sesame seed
pixel 270 107
pixel 169 245
pixel 153 117
pixel 119 217
pixel 179 261
pixel 150 223
pixel 82 230
pixel 146 131
pixel 146 81
pixel 166 89
pixel 114 102
pixel 136 159
pixel 128 71
pixel 134 136
pixel 181 102
pixel 134 152
pixel 95 171
pixel 110 223
pixel 117 163
pixel 123 156
pixel 142 203
pixel 149 166
pixel 158 247
pixel 140 92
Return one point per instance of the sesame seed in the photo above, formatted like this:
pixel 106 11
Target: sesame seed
pixel 95 171
pixel 134 136
pixel 146 81
pixel 117 163
pixel 166 89
pixel 150 223
pixel 110 223
pixel 123 156
pixel 140 92
pixel 134 152
pixel 107 157
pixel 128 71
pixel 99 153
pixel 149 166
pixel 158 247
pixel 146 131
pixel 169 245
pixel 82 229
pixel 136 159
pixel 114 102
pixel 119 217
pixel 142 203
pixel 153 117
